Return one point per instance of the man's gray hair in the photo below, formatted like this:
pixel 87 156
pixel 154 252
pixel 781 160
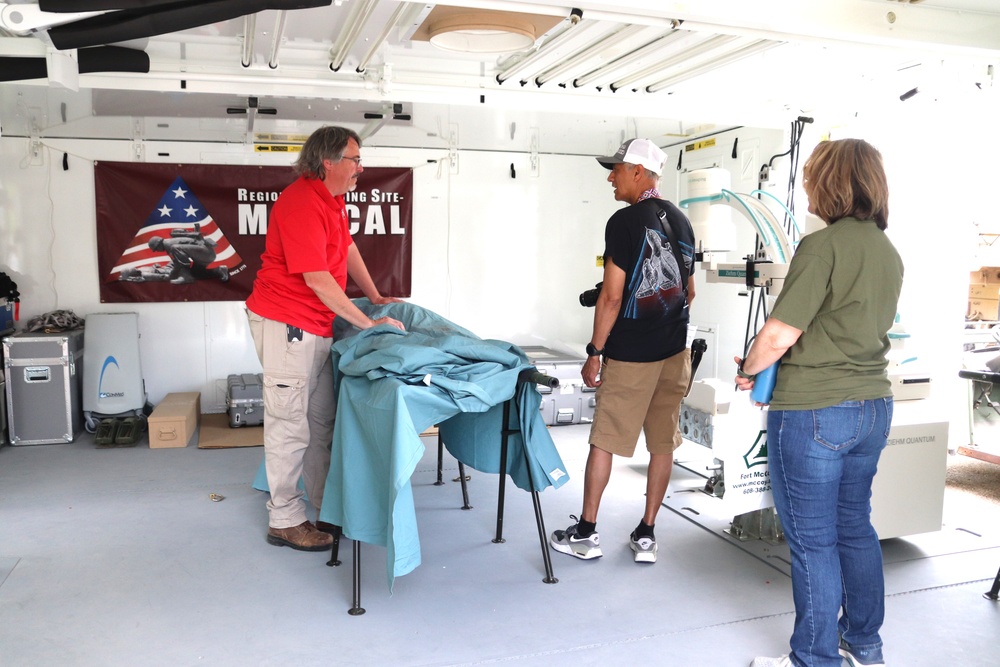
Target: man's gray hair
pixel 326 143
pixel 650 173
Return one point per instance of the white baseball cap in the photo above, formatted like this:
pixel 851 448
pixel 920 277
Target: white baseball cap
pixel 642 152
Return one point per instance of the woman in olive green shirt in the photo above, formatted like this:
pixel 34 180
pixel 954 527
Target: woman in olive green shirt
pixel 831 409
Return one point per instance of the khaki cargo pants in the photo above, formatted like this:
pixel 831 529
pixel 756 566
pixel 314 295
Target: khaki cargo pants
pixel 299 408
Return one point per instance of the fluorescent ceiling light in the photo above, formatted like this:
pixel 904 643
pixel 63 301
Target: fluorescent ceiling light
pixel 405 13
pixel 693 52
pixel 249 32
pixel 641 54
pixel 554 42
pixel 588 52
pixel 359 16
pixel 756 47
pixel 276 37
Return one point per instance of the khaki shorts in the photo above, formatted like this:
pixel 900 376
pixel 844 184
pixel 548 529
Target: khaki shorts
pixel 636 397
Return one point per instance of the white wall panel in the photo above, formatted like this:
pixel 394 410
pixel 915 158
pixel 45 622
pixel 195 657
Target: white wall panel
pixel 503 256
pixel 490 251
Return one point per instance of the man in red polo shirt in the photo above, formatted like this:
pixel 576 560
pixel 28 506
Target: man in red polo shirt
pixel 296 295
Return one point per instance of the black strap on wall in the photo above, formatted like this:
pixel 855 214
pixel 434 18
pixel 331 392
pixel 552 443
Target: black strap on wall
pixel 19 69
pixel 63 6
pixel 120 26
pixel 95 59
pixel 112 59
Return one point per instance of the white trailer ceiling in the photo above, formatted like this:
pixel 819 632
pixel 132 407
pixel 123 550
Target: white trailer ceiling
pixel 838 58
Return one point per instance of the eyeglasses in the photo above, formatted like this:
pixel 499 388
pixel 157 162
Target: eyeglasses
pixel 356 159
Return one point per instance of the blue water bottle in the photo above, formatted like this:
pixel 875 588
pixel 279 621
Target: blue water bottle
pixel 763 384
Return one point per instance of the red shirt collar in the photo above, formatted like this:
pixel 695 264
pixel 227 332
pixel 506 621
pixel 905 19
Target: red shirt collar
pixel 321 189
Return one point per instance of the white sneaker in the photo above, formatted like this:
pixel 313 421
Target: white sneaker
pixel 644 548
pixel 783 661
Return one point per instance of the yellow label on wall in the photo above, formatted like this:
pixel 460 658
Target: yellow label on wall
pixel 282 138
pixel 600 261
pixel 698 145
pixel 276 148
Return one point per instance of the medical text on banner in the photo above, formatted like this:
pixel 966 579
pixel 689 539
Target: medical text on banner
pixel 168 232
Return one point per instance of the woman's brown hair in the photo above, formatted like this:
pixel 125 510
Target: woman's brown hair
pixel 846 179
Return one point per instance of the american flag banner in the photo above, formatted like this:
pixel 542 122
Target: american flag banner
pixel 195 232
pixel 177 210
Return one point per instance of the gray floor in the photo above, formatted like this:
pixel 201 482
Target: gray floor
pixel 119 557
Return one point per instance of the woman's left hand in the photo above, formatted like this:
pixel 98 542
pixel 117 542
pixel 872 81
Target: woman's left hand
pixel 742 383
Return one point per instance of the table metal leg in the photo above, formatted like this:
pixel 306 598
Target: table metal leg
pixel 536 503
pixel 504 432
pixel 498 539
pixel 439 481
pixel 465 487
pixel 357 609
pixel 540 523
pixel 335 550
pixel 994 593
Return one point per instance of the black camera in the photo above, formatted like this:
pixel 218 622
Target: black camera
pixel 589 298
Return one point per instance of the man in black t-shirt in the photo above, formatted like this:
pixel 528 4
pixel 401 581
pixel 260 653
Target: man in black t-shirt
pixel 640 330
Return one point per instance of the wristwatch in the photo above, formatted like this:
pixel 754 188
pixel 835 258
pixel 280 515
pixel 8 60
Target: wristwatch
pixel 593 351
pixel 743 374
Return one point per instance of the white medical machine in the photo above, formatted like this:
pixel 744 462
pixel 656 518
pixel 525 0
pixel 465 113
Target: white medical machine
pixel 112 374
pixel 908 493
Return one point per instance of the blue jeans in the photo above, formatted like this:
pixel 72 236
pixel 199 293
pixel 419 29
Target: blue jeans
pixel 822 463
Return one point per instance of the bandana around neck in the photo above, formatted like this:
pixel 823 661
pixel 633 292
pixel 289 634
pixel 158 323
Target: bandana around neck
pixel 649 194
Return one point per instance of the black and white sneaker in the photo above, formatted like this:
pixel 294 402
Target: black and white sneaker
pixel 569 542
pixel 643 547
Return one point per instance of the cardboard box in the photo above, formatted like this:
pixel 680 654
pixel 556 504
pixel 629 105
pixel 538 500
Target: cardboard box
pixel 983 309
pixel 984 291
pixel 215 432
pixel 174 420
pixel 987 275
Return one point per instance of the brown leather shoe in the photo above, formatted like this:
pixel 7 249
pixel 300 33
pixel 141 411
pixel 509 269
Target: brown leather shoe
pixel 303 537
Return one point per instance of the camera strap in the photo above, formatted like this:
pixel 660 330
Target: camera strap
pixel 668 231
